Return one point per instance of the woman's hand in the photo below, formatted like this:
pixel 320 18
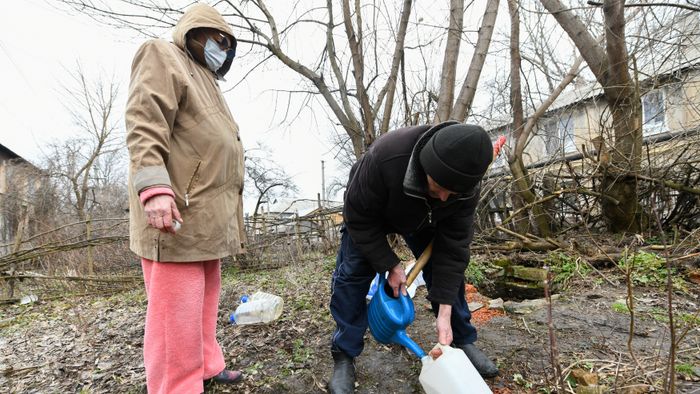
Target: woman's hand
pixel 161 210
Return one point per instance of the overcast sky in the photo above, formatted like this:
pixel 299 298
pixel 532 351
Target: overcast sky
pixel 41 45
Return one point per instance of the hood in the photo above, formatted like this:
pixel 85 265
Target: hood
pixel 201 15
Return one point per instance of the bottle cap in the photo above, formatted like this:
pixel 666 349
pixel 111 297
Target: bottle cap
pixel 232 318
pixel 244 298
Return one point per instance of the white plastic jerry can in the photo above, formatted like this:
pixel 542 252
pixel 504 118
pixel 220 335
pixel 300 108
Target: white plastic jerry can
pixel 451 373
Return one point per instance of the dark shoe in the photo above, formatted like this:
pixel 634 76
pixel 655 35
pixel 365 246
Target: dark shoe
pixel 226 377
pixel 343 380
pixel 485 367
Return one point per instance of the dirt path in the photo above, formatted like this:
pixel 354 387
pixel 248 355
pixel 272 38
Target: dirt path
pixel 93 345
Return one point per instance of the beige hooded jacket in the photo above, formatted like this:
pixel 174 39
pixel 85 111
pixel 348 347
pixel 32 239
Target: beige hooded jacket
pixel 180 133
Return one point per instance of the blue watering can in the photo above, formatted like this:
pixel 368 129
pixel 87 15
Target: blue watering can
pixel 388 316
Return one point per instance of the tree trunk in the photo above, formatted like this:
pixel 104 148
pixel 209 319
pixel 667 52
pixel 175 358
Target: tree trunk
pixel 523 183
pixel 611 69
pixel 449 63
pixel 355 42
pixel 523 196
pixel 396 61
pixel 259 201
pixel 592 52
pixel 620 181
pixel 353 127
pixel 466 95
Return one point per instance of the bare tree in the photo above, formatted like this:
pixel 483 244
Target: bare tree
pixel 522 127
pixel 610 66
pixel 86 163
pixel 268 178
pixel 523 193
pixel 344 101
pixel 349 75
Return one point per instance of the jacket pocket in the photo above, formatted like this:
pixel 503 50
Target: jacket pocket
pixel 190 183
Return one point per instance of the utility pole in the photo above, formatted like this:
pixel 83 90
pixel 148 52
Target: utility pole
pixel 323 182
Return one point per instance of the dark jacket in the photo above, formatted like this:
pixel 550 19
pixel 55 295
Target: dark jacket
pixel 387 193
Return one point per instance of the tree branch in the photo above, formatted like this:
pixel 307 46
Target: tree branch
pixel 390 86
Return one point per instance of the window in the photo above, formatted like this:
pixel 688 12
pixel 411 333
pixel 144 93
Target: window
pixel 559 133
pixel 653 112
pixel 566 133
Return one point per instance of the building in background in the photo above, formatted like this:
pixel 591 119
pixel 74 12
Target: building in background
pixel 19 182
pixel 669 86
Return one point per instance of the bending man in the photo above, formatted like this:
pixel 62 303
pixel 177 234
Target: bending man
pixel 422 183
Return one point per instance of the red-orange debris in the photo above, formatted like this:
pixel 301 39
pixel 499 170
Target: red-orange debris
pixel 483 315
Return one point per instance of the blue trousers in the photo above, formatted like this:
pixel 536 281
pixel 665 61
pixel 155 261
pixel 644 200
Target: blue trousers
pixel 351 280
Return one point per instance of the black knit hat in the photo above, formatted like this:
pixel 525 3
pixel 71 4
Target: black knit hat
pixel 457 157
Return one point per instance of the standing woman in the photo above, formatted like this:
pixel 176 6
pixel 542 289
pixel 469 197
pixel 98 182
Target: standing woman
pixel 185 186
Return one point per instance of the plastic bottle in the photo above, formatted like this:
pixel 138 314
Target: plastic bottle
pixel 451 373
pixel 259 308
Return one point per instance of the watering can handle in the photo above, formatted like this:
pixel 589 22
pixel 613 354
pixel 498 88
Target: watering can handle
pixel 420 263
pixel 404 300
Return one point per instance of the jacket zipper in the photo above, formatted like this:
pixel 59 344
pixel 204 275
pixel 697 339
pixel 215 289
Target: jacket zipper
pixel 189 184
pixel 430 209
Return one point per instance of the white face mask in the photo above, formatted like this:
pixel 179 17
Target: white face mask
pixel 213 55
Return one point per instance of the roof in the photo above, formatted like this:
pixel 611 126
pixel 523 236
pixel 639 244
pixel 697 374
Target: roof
pixel 675 46
pixel 7 151
pixel 576 95
pixel 300 207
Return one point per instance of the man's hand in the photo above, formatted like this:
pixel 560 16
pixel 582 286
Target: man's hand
pixel 443 325
pixel 161 210
pixel 397 280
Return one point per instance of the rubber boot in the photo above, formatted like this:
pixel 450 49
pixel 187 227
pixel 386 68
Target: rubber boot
pixel 343 380
pixel 485 367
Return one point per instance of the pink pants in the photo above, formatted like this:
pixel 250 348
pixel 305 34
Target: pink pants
pixel 179 346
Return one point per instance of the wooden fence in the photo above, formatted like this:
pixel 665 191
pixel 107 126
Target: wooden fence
pixel 92 256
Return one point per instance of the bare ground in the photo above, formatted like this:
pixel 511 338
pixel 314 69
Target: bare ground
pixel 94 344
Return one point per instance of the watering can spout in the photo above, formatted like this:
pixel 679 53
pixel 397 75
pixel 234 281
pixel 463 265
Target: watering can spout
pixel 402 338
